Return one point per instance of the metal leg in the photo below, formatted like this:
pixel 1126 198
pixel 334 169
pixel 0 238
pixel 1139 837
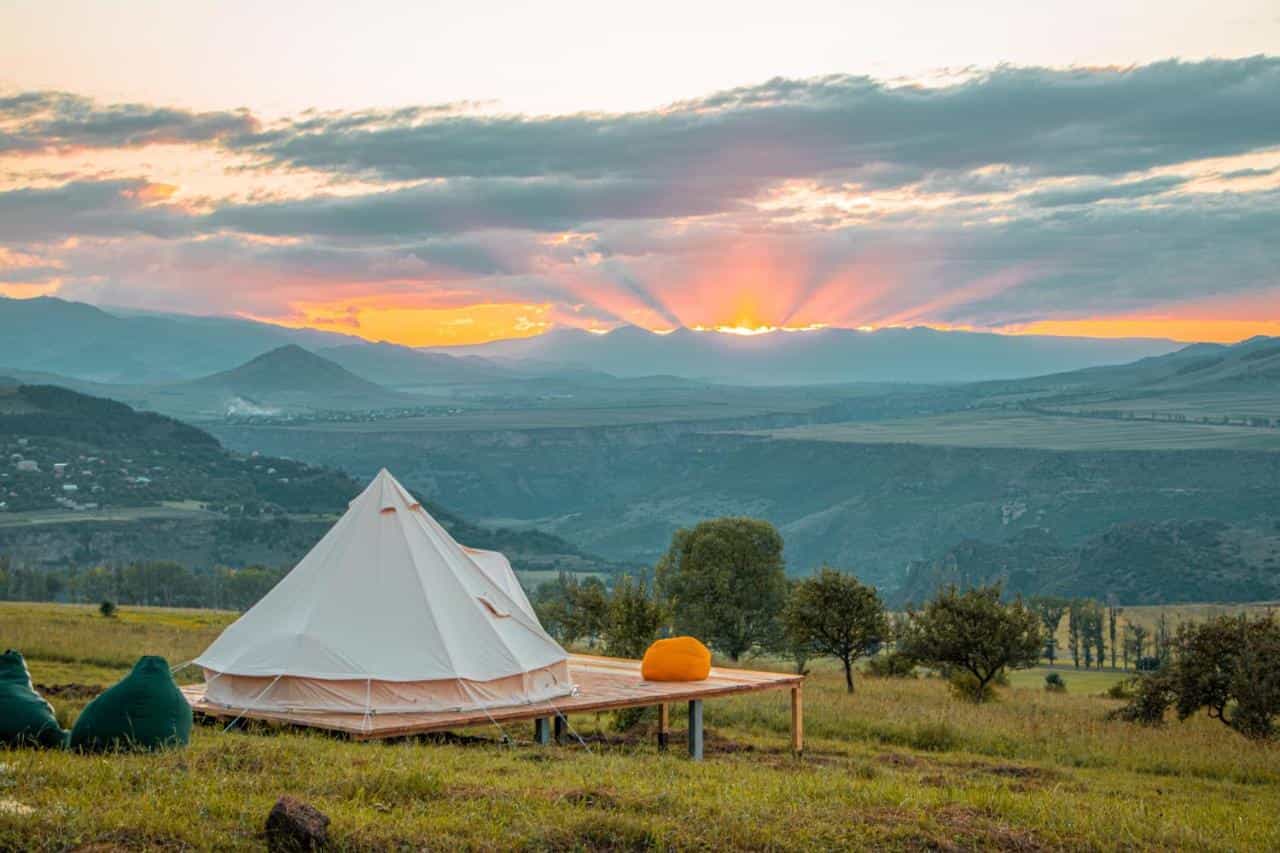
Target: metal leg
pixel 664 726
pixel 695 729
pixel 561 728
pixel 542 731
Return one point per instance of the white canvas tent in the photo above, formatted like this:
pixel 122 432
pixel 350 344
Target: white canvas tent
pixel 388 614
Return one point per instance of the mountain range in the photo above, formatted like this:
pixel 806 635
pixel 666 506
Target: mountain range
pixel 918 354
pixel 83 342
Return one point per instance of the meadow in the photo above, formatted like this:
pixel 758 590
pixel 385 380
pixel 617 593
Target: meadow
pixel 899 764
pixel 987 428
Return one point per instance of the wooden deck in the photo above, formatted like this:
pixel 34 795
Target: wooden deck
pixel 603 684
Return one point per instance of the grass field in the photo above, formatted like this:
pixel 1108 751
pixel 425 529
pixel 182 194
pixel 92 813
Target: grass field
pixel 897 765
pixel 1241 404
pixel 1047 432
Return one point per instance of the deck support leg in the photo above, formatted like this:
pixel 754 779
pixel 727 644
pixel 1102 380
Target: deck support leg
pixel 664 726
pixel 561 729
pixel 542 731
pixel 797 721
pixel 695 729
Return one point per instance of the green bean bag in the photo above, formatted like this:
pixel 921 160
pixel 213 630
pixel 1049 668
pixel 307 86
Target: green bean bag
pixel 145 710
pixel 26 719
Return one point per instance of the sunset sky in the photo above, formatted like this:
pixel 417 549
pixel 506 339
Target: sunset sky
pixel 436 173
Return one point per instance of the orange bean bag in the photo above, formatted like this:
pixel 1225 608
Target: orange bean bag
pixel 676 659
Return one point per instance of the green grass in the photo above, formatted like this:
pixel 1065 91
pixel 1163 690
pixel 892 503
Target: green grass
pixel 1048 432
pixel 896 765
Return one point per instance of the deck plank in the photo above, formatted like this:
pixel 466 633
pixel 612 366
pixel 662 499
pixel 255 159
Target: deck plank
pixel 603 684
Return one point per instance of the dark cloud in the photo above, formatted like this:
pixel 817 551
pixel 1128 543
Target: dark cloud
pixel 468 204
pixel 85 208
pixel 43 121
pixel 1050 122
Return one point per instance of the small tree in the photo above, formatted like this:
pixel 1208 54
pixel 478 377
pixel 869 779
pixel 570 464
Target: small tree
pixel 107 608
pixel 1050 609
pixel 977 633
pixel 725 583
pixel 634 619
pixel 838 616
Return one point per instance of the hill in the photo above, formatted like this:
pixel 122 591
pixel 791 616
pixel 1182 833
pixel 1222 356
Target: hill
pixel 405 367
pixel 85 480
pixel 818 356
pixel 1139 562
pixel 53 335
pixel 288 379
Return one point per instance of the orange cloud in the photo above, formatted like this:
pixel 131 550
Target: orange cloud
pixel 420 326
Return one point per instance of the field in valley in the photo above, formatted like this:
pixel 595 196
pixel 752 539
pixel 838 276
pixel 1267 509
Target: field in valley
pixel 998 428
pixel 897 765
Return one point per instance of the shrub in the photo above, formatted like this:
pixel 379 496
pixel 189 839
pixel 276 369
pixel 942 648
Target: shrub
pixel 1151 698
pixel 107 608
pixel 1122 689
pixel 1055 683
pixel 891 665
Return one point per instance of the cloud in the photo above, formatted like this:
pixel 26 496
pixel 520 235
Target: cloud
pixel 33 122
pixel 1101 121
pixel 1013 196
pixel 87 208
pixel 1090 193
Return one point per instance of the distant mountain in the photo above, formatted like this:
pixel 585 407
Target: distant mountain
pixel 286 379
pixel 74 339
pixel 405 367
pixel 1249 365
pixel 825 355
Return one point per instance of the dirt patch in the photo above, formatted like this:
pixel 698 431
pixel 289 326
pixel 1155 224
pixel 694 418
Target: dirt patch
pixel 973 830
pixel 69 691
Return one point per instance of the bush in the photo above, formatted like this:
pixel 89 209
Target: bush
pixel 965 685
pixel 107 609
pixel 1055 683
pixel 1122 689
pixel 891 665
pixel 1152 696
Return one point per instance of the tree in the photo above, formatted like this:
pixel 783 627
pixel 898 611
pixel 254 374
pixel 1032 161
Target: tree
pixel 571 609
pixel 1050 609
pixel 633 621
pixel 977 633
pixel 725 583
pixel 1228 667
pixel 1113 614
pixel 107 608
pixel 1075 632
pixel 837 616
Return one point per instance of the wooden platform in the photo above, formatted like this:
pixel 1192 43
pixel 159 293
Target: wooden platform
pixel 603 684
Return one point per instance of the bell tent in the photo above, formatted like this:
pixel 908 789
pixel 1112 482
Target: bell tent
pixel 388 614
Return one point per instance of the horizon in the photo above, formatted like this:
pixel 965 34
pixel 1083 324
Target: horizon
pixel 1027 179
